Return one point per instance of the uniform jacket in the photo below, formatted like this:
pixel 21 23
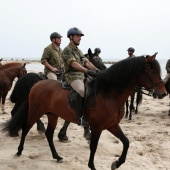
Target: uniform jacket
pixel 69 55
pixel 53 57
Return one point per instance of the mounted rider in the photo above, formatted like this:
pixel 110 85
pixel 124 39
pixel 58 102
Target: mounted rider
pixel 97 51
pixel 76 64
pixel 52 57
pixel 131 51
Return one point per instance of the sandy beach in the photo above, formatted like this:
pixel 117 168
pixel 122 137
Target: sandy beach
pixel 148 133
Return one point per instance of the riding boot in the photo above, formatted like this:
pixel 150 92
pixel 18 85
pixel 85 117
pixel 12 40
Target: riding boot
pixel 80 111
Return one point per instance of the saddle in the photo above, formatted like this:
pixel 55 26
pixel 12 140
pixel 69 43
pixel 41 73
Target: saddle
pixel 42 76
pixel 72 97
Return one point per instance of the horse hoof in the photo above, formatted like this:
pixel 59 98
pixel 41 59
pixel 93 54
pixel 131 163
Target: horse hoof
pixel 14 134
pixel 17 154
pixel 113 166
pixel 64 139
pixel 60 160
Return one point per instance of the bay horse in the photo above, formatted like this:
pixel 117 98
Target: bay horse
pixel 104 108
pixel 97 62
pixel 8 72
pixel 20 94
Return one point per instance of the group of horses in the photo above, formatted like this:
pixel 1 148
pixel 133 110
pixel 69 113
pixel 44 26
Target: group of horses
pixel 106 96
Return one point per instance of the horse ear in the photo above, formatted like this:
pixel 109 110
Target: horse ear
pixel 24 65
pixel 90 52
pixel 151 58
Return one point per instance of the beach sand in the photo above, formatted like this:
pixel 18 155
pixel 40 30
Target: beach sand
pixel 148 133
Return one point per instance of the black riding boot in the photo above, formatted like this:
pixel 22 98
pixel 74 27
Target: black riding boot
pixel 80 111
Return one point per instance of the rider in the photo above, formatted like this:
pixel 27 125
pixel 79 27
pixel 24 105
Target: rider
pixel 76 64
pixel 131 50
pixel 51 58
pixel 168 71
pixel 97 51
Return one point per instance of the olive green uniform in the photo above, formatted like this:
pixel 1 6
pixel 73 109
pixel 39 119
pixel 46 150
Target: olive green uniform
pixel 54 57
pixel 69 55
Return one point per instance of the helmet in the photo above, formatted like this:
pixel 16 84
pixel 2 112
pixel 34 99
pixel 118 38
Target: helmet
pixel 97 50
pixel 73 31
pixel 131 49
pixel 55 35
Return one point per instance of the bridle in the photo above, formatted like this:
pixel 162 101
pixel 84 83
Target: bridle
pixel 153 85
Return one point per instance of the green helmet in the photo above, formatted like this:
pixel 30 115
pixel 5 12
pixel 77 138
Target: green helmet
pixel 74 31
pixel 97 50
pixel 55 35
pixel 131 49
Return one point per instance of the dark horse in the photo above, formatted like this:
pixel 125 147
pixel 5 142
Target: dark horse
pixel 104 109
pixel 20 94
pixel 8 72
pixel 97 62
pixel 129 108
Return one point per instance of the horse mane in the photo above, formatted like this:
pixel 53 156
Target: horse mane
pixel 117 77
pixel 10 65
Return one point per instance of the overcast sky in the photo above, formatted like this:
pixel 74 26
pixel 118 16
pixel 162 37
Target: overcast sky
pixel 112 25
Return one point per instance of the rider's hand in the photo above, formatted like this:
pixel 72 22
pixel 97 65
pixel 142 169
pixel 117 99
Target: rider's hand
pixel 54 69
pixel 92 73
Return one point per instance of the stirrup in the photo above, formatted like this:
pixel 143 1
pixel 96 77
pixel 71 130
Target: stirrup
pixel 82 122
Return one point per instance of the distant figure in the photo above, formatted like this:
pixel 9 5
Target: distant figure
pixel 131 50
pixel 51 58
pixel 168 71
pixel 97 51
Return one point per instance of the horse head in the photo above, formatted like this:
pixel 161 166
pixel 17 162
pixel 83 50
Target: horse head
pixel 22 70
pixel 151 77
pixel 97 62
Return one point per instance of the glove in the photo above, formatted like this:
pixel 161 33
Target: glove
pixel 98 72
pixel 92 73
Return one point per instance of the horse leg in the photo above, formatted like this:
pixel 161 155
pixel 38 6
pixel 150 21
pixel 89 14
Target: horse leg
pixel 40 126
pixel 3 103
pixel 62 133
pixel 116 131
pixel 52 122
pixel 87 133
pixel 25 131
pixel 127 108
pixel 93 146
pixel 131 106
pixel 132 97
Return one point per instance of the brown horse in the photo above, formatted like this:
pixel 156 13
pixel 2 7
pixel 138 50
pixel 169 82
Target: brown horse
pixel 8 72
pixel 104 108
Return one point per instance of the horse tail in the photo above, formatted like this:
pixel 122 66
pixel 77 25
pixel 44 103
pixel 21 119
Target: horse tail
pixel 139 97
pixel 17 122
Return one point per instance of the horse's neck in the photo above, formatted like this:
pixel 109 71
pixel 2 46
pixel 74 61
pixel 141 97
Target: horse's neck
pixel 11 73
